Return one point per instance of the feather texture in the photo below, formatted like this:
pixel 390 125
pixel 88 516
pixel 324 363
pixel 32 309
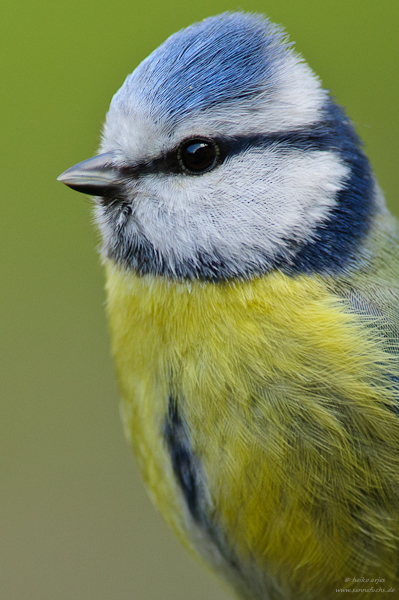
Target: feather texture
pixel 284 394
pixel 254 311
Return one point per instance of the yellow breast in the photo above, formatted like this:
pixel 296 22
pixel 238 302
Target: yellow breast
pixel 263 421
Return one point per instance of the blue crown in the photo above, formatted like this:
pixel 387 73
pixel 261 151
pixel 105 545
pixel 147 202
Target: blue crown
pixel 222 59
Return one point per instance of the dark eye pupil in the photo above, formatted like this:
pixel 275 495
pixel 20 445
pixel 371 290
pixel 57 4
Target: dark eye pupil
pixel 198 155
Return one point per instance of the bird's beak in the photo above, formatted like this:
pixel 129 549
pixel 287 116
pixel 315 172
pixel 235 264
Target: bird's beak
pixel 96 176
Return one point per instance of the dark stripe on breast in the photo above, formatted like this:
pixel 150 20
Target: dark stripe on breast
pixel 182 457
pixel 190 478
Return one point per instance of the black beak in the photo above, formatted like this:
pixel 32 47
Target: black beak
pixel 96 176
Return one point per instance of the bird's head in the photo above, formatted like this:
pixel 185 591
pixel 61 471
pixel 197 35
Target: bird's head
pixel 222 156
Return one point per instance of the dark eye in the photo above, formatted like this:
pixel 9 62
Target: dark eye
pixel 198 155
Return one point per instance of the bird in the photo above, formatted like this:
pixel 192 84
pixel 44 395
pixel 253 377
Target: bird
pixel 252 294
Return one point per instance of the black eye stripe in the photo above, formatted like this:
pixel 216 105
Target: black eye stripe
pixel 318 137
pixel 171 162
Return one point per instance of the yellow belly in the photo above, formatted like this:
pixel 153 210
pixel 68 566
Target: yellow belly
pixel 262 419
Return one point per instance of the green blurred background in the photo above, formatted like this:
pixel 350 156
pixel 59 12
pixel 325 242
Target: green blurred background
pixel 75 520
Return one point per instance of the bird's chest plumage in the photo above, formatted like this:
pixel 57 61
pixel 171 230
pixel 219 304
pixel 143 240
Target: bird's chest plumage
pixel 238 401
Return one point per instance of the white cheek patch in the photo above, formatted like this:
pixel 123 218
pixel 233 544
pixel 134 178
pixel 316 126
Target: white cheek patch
pixel 248 207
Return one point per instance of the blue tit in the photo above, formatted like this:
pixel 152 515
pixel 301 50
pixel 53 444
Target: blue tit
pixel 252 292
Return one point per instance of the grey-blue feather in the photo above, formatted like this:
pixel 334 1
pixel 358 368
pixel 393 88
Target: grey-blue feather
pixel 223 59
